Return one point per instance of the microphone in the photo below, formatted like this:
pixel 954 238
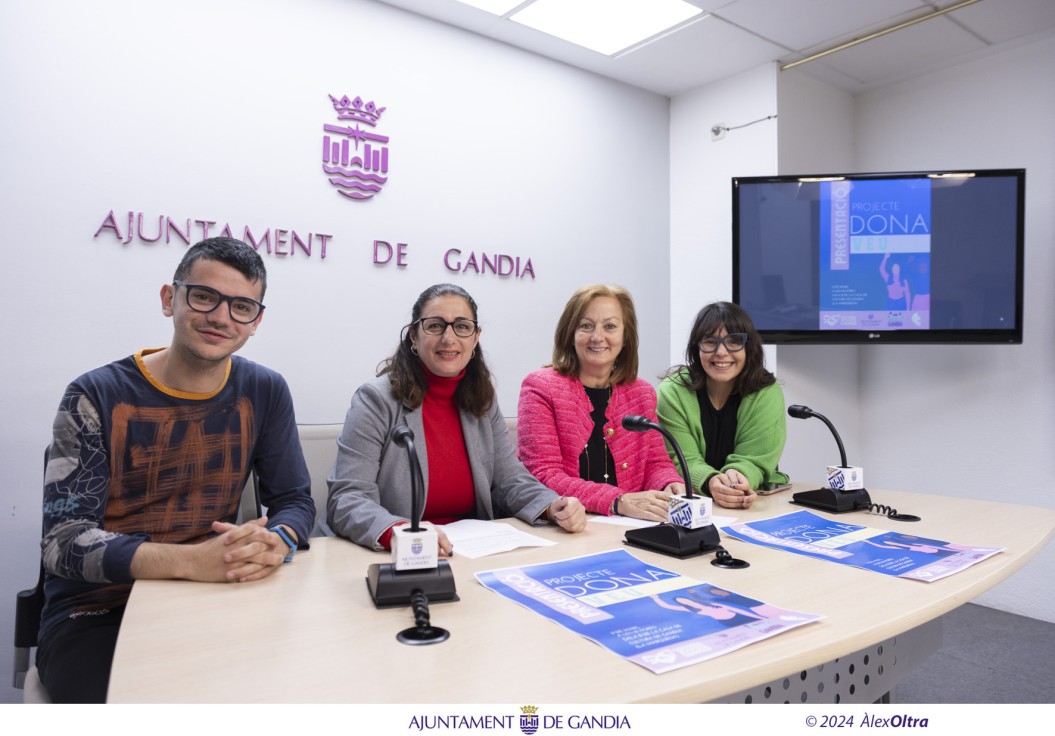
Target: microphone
pixel 798 411
pixel 415 569
pixel 688 530
pixel 637 423
pixel 402 435
pixel 838 499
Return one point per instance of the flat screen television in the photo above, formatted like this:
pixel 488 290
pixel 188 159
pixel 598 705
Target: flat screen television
pixel 910 257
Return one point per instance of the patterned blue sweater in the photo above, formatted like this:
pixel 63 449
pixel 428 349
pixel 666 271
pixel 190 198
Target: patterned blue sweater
pixel 134 461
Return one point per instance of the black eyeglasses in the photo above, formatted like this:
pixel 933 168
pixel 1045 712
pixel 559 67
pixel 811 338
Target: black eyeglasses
pixel 437 326
pixel 206 299
pixel 734 342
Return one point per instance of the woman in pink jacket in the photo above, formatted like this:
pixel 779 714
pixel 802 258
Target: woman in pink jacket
pixel 569 423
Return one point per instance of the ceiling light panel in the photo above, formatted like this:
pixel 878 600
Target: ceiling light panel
pixel 605 26
pixel 498 7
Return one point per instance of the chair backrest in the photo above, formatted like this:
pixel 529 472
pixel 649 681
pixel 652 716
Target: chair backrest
pixel 28 606
pixel 319 445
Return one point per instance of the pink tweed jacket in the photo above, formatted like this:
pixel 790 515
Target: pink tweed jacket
pixel 554 424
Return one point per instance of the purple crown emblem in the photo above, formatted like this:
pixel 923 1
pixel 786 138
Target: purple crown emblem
pixel 356 172
pixel 364 112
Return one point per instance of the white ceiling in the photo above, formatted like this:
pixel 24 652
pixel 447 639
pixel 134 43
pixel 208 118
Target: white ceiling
pixel 739 35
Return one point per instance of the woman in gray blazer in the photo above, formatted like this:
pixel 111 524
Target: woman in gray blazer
pixel 439 386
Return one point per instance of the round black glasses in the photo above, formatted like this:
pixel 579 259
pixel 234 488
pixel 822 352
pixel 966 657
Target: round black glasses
pixel 206 299
pixel 734 342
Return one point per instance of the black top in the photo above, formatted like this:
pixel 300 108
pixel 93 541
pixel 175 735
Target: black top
pixel 595 462
pixel 719 427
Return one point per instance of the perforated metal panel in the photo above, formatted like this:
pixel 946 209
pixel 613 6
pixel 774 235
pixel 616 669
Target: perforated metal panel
pixel 866 676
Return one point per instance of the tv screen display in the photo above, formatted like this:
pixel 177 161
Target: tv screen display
pixel 918 257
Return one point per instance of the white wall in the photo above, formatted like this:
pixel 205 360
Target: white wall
pixel 214 109
pixel 983 417
pixel 816 135
pixel 701 171
pixel 813 132
pixel 976 421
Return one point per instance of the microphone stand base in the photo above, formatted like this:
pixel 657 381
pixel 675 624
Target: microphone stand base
pixel 833 501
pixel 421 635
pixel 390 588
pixel 676 541
pixel 723 559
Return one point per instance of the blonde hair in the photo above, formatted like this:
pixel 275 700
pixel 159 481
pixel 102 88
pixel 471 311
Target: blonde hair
pixel 566 360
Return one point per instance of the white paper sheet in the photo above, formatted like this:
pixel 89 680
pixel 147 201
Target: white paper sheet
pixel 474 538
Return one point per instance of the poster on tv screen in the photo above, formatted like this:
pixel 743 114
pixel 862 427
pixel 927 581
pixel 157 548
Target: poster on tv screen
pixel 873 258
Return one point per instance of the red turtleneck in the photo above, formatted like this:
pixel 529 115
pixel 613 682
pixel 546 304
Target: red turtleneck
pixel 450 491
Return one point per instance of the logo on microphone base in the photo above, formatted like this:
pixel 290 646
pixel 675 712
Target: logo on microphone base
pixel 845 479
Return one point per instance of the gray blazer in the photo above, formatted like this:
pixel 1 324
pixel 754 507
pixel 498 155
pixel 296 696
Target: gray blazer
pixel 370 482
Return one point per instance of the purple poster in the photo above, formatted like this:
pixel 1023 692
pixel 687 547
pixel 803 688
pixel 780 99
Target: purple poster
pixel 875 242
pixel 890 553
pixel 656 618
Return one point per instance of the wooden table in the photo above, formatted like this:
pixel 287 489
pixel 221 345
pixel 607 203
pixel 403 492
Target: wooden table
pixel 310 633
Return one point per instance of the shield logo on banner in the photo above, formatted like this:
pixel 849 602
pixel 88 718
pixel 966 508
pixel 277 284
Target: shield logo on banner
pixel 355 158
pixel 528 724
pixel 528 719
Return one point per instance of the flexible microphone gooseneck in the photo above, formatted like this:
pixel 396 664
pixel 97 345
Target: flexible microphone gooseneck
pixel 391 587
pixel 422 632
pixel 798 411
pixel 829 499
pixel 637 423
pixel 673 539
pixel 404 437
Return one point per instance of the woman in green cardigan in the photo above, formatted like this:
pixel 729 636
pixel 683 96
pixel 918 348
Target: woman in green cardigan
pixel 725 409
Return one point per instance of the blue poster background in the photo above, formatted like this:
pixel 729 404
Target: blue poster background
pixel 654 617
pixel 889 553
pixel 875 251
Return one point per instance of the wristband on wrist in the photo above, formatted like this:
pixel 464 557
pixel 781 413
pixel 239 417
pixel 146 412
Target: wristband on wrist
pixel 288 540
pixel 615 505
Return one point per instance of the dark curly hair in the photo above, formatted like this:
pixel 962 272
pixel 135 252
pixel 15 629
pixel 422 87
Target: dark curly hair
pixel 709 322
pixel 475 393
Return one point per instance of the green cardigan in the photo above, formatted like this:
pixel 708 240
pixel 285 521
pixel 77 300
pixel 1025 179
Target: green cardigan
pixel 760 432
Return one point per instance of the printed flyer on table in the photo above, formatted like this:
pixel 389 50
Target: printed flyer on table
pixel 889 553
pixel 654 617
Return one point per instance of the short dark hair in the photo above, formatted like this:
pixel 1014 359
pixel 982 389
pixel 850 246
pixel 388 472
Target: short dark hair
pixel 709 322
pixel 475 393
pixel 231 252
pixel 566 360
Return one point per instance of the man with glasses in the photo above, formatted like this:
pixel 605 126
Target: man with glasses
pixel 147 464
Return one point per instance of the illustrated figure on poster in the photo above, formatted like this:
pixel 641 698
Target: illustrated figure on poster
pixel 898 293
pixel 914 544
pixel 919 281
pixel 722 606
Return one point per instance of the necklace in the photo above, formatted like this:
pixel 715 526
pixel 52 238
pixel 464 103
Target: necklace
pixel 586 451
pixel 597 436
